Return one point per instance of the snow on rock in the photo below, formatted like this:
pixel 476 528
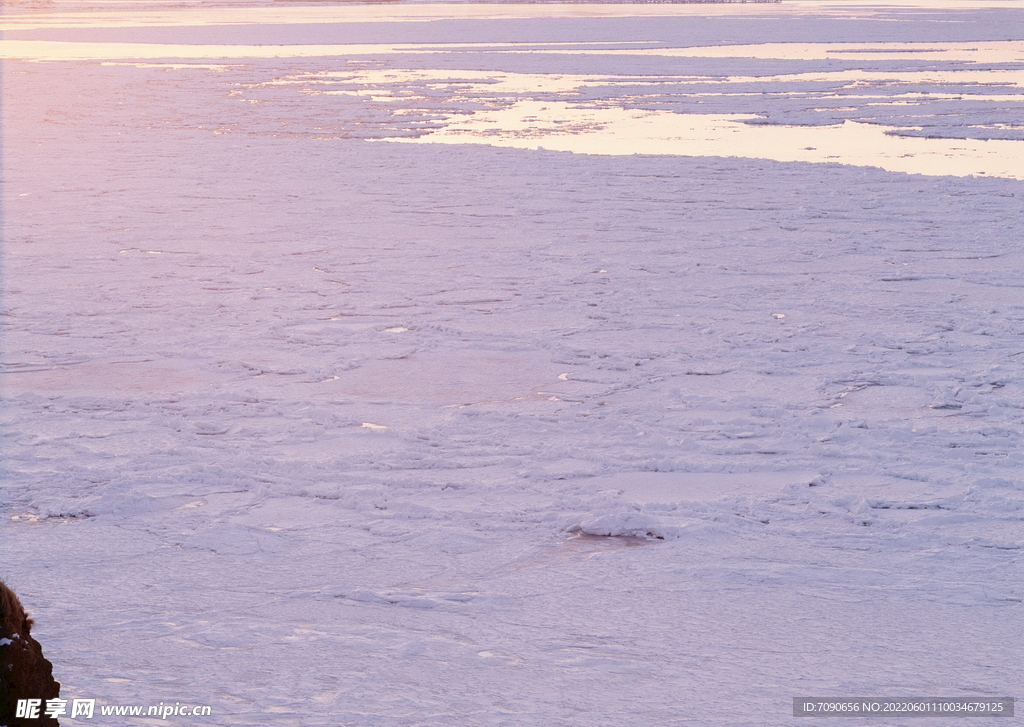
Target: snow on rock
pixel 25 673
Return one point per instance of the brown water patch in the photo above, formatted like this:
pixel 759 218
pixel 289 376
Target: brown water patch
pixel 107 378
pixel 586 545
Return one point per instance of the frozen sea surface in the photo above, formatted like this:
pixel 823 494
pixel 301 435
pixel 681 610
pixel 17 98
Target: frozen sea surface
pixel 319 428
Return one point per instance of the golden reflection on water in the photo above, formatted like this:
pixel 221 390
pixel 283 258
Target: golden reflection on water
pixel 564 127
pixel 133 13
pixel 516 119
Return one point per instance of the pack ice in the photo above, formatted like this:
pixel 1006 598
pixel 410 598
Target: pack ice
pixel 514 364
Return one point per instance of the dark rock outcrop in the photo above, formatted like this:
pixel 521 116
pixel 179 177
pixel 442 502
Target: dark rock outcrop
pixel 24 672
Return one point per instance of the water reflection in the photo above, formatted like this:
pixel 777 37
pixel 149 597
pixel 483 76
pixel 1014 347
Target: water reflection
pixel 128 13
pixel 884 112
pixel 564 127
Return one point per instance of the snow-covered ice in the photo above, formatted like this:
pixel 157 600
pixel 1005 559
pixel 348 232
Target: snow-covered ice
pixel 515 364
